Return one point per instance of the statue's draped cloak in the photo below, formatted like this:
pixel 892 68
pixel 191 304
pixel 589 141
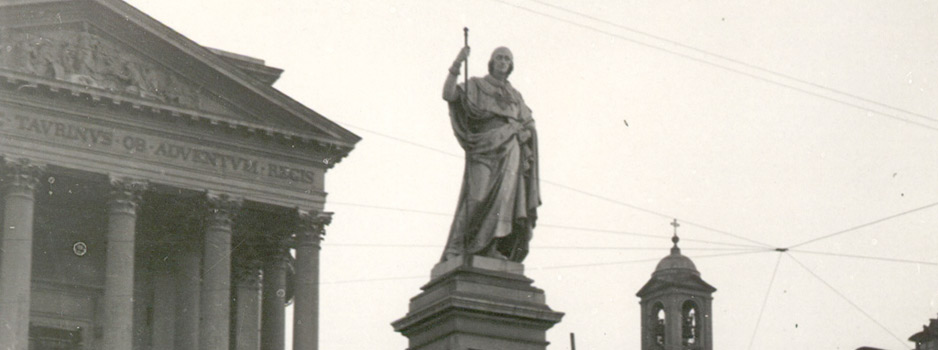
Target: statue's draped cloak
pixel 500 192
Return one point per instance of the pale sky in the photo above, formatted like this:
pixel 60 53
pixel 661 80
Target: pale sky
pixel 719 145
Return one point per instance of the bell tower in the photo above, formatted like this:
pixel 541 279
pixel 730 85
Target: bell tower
pixel 676 305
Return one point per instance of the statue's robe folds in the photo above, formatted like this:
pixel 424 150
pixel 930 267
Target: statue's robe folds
pixel 500 192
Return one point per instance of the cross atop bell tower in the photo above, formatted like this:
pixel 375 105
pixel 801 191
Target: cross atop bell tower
pixel 675 238
pixel 676 305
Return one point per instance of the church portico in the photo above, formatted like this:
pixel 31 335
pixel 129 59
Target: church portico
pixel 152 189
pixel 118 263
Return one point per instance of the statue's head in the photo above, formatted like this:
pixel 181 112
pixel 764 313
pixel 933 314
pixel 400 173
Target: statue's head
pixel 501 63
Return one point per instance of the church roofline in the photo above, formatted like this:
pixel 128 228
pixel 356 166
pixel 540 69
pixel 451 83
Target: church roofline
pixel 339 135
pixel 236 56
pixel 253 66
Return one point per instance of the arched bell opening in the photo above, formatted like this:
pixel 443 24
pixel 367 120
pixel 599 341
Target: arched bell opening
pixel 658 317
pixel 690 325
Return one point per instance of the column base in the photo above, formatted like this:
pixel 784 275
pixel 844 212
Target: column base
pixel 478 303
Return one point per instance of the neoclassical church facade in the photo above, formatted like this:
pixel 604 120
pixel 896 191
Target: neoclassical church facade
pixel 152 188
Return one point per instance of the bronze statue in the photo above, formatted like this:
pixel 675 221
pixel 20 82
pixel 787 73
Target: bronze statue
pixel 498 201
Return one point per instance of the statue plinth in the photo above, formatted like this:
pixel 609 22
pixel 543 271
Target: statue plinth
pixel 478 303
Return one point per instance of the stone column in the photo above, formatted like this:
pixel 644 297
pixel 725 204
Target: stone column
pixel 119 270
pixel 143 295
pixel 273 297
pixel 247 326
pixel 18 185
pixel 216 273
pixel 164 308
pixel 188 289
pixel 309 234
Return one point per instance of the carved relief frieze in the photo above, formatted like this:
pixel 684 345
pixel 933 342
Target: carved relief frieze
pixel 88 59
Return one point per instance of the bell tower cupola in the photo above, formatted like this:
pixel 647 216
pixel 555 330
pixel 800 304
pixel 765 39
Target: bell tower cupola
pixel 676 305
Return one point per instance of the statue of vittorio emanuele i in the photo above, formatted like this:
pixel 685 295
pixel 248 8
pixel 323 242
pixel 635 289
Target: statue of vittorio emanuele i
pixel 498 201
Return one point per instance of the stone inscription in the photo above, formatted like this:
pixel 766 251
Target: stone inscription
pixel 151 148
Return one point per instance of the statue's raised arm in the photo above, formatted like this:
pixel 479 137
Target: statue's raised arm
pixel 449 88
pixel 498 201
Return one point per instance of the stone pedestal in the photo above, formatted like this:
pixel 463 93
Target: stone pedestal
pixel 478 303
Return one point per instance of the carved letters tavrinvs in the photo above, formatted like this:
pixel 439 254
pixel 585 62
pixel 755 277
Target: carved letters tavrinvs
pixel 87 59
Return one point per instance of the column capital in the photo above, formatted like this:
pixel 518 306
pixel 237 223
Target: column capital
pixel 222 208
pixel 248 272
pixel 126 194
pixel 20 173
pixel 310 226
pixel 275 249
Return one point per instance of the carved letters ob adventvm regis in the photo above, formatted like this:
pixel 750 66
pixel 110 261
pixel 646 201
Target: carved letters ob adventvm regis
pixel 90 60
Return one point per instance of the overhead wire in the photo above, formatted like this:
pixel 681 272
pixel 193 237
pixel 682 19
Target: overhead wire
pixel 844 297
pixel 549 267
pixel 736 61
pixel 765 301
pixel 170 241
pixel 614 248
pixel 874 258
pixel 717 65
pixel 556 267
pixel 626 262
pixel 659 214
pixel 550 225
pixel 854 228
pixel 569 188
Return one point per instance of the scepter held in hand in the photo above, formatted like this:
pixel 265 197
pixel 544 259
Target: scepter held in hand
pixel 465 35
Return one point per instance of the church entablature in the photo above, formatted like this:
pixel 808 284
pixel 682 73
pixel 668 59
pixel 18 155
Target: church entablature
pixel 174 156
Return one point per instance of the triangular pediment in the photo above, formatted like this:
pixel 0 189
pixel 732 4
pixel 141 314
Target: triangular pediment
pixel 80 54
pixel 107 46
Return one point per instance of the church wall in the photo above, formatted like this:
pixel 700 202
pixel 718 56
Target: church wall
pixel 67 286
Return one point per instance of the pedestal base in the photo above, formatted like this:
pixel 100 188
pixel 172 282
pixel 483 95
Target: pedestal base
pixel 478 303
